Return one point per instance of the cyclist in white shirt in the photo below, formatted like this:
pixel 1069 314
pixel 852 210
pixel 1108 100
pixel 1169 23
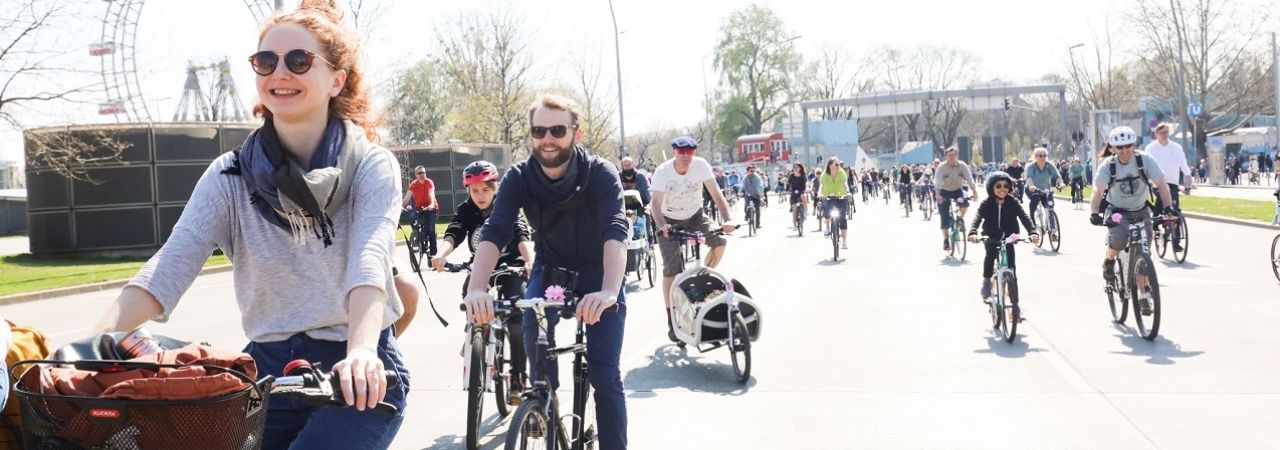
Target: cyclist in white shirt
pixel 677 188
pixel 1173 163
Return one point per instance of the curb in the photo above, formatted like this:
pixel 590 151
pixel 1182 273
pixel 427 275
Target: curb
pixel 1211 218
pixel 94 287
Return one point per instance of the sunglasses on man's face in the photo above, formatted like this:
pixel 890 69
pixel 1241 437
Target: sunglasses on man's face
pixel 685 151
pixel 557 131
pixel 297 61
pixel 1124 147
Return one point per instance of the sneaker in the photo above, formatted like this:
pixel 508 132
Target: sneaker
pixel 671 334
pixel 515 389
pixel 1177 246
pixel 1144 303
pixel 1108 271
pixel 826 233
pixel 946 245
pixel 844 245
pixel 986 288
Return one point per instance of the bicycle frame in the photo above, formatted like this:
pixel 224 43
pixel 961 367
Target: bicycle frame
pixel 541 388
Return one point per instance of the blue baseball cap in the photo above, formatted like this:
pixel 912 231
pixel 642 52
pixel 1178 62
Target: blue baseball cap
pixel 684 142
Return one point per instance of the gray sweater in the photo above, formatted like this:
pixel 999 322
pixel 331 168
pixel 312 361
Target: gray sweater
pixel 284 288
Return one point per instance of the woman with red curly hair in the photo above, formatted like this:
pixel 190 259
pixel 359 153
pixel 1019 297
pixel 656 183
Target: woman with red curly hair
pixel 306 210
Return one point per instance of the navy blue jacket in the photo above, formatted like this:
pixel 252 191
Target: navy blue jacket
pixel 569 230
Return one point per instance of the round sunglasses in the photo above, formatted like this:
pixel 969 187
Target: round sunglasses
pixel 298 61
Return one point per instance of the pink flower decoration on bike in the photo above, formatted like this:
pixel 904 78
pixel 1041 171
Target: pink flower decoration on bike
pixel 554 294
pixel 1116 218
pixel 1013 238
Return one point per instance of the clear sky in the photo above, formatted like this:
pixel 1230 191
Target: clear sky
pixel 664 45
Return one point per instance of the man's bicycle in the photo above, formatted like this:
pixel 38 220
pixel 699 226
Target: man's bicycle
pixel 905 197
pixel 886 190
pixel 537 423
pixel 956 233
pixel 753 215
pixel 1003 303
pixel 1135 281
pixel 1174 234
pixel 417 242
pixel 720 312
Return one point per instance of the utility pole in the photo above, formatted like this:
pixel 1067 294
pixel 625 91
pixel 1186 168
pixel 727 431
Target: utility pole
pixel 1075 72
pixel 617 53
pixel 1182 92
pixel 1275 69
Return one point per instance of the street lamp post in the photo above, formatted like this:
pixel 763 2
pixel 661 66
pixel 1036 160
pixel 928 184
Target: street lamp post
pixel 622 128
pixel 1075 73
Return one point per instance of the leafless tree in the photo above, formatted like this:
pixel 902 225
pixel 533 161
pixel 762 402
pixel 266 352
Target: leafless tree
pixel 30 56
pixel 1223 52
pixel 597 106
pixel 70 154
pixel 485 56
pixel 33 74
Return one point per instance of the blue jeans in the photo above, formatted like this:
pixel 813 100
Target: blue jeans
pixel 944 206
pixel 604 346
pixel 1037 198
pixel 427 220
pixel 292 425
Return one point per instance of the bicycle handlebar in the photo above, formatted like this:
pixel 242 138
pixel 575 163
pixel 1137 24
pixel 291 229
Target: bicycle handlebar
pixel 306 385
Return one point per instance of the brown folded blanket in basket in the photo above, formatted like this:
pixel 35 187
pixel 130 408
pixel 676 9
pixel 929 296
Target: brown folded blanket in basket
pixel 186 383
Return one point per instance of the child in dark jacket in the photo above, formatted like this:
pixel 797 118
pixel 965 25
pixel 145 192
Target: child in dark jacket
pixel 998 217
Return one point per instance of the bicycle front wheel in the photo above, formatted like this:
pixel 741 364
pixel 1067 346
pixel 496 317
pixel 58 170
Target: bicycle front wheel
pixel 475 387
pixel 1275 257
pixel 740 348
pixel 1117 296
pixel 1011 314
pixel 1143 272
pixel 1055 232
pixel 531 428
pixel 1182 237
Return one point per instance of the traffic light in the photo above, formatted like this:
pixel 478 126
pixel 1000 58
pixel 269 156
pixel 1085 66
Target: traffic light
pixel 1006 103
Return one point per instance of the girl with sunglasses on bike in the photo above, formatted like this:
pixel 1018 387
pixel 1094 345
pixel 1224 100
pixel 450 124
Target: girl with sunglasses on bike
pixel 997 218
pixel 306 211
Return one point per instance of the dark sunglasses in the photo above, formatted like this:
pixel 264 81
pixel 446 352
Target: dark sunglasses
pixel 297 61
pixel 1125 147
pixel 557 131
pixel 1000 186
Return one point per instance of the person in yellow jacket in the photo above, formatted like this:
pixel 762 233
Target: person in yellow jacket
pixel 833 189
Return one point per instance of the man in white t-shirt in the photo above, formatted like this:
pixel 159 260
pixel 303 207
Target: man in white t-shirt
pixel 677 201
pixel 1173 163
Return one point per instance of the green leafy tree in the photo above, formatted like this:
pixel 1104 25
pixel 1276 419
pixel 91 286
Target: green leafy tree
pixel 757 59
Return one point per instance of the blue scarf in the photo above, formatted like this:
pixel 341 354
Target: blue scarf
pixel 302 202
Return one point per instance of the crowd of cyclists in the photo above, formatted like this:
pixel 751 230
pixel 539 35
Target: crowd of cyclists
pixel 307 212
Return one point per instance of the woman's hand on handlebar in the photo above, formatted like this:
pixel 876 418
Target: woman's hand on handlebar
pixel 665 230
pixel 479 307
pixel 362 378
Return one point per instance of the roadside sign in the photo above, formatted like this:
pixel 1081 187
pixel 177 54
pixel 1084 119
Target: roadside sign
pixel 1195 109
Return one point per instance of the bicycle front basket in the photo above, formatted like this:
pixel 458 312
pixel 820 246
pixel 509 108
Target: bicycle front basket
pixel 53 421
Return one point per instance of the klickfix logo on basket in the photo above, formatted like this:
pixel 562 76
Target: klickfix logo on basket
pixel 105 413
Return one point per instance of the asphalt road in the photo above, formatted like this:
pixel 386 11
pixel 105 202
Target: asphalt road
pixel 888 348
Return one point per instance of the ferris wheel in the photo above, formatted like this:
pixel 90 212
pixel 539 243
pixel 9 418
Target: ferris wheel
pixel 116 51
